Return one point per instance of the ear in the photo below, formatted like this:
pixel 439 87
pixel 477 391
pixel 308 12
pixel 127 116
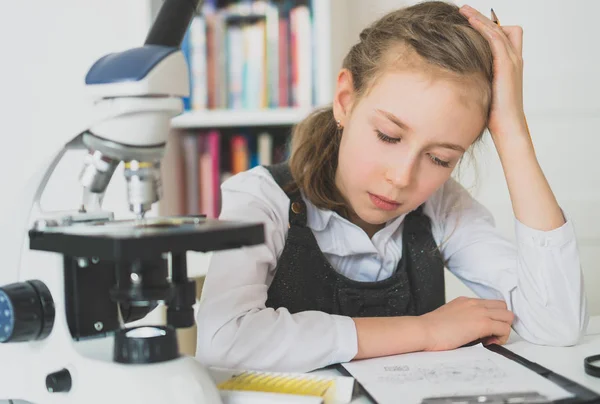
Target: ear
pixel 344 96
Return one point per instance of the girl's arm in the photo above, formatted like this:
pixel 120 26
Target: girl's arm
pixel 457 323
pixel 533 202
pixel 546 288
pixel 539 277
pixel 235 329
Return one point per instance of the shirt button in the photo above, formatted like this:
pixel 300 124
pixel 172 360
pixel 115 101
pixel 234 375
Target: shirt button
pixel 296 207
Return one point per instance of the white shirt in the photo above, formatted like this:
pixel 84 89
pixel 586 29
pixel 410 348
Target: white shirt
pixel 539 278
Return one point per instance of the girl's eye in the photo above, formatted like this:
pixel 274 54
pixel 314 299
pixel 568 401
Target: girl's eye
pixel 385 138
pixel 388 139
pixel 439 162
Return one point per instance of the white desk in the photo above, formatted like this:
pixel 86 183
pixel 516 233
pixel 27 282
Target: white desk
pixel 567 361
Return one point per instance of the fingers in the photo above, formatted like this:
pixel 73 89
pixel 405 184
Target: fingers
pixel 487 303
pixel 514 34
pixel 470 12
pixel 500 330
pixel 496 320
pixel 497 311
pixel 496 36
pixel 502 315
pixel 491 340
pixel 493 304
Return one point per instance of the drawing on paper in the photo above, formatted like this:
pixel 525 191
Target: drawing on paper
pixel 484 371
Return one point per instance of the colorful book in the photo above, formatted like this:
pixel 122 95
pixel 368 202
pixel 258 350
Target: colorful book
pixel 235 66
pixel 185 49
pixel 239 154
pixel 190 156
pixel 198 61
pixel 301 27
pixel 209 163
pixel 265 149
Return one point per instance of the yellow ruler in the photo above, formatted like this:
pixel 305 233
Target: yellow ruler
pixel 296 384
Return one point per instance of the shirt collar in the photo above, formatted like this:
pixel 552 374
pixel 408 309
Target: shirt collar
pixel 317 219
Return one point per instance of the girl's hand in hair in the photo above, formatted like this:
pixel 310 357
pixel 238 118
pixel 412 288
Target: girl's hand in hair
pixel 533 201
pixel 507 117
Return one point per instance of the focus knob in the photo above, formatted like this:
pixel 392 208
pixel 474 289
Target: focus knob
pixel 26 311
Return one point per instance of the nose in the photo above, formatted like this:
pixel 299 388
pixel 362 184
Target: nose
pixel 401 173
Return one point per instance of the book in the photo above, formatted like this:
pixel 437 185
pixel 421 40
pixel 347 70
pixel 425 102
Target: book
pixel 198 63
pixel 190 156
pixel 251 55
pixel 209 167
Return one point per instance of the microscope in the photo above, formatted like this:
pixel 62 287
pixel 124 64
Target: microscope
pixel 83 275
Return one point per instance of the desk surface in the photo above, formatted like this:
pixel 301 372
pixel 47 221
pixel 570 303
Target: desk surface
pixel 567 361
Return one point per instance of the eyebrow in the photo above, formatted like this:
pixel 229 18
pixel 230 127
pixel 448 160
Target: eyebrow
pixel 394 119
pixel 405 127
pixel 450 146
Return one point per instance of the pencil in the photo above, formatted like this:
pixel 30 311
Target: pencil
pixel 495 17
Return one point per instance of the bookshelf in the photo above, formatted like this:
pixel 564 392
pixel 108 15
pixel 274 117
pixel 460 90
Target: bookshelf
pixel 193 138
pixel 257 68
pixel 321 15
pixel 225 118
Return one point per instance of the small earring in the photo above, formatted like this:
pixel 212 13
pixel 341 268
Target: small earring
pixel 339 125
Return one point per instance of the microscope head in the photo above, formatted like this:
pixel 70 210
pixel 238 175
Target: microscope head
pixel 136 94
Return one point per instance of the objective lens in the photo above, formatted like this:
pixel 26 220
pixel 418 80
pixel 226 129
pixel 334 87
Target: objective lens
pixel 143 185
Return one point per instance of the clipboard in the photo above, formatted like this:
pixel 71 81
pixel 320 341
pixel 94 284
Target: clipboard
pixel 582 395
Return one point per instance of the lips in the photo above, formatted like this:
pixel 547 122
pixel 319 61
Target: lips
pixel 383 203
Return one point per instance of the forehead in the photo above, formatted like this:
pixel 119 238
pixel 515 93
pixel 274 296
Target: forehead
pixel 431 104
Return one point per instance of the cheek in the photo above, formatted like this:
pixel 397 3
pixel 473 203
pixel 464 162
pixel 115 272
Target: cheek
pixel 358 157
pixel 430 179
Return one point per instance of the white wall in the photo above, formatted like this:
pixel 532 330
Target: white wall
pixel 562 84
pixel 47 48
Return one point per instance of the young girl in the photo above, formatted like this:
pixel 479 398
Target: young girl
pixel 363 219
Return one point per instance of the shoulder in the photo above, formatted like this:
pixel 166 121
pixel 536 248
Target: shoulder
pixel 253 190
pixel 449 196
pixel 452 203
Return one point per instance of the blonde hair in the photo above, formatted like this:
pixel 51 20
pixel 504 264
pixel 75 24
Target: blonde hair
pixel 432 36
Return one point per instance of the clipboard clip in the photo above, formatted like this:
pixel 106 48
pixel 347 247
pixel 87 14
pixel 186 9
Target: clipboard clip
pixel 503 398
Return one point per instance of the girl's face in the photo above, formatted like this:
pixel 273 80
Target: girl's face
pixel 401 141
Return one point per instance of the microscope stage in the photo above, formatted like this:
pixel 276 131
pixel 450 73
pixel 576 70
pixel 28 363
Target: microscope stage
pixel 145 238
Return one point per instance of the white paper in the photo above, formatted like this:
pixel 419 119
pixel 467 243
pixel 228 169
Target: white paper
pixel 409 378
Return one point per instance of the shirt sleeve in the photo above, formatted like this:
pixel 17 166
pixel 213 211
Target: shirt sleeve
pixel 539 276
pixel 235 328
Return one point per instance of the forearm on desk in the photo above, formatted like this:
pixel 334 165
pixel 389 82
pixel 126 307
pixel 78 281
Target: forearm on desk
pixel 379 336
